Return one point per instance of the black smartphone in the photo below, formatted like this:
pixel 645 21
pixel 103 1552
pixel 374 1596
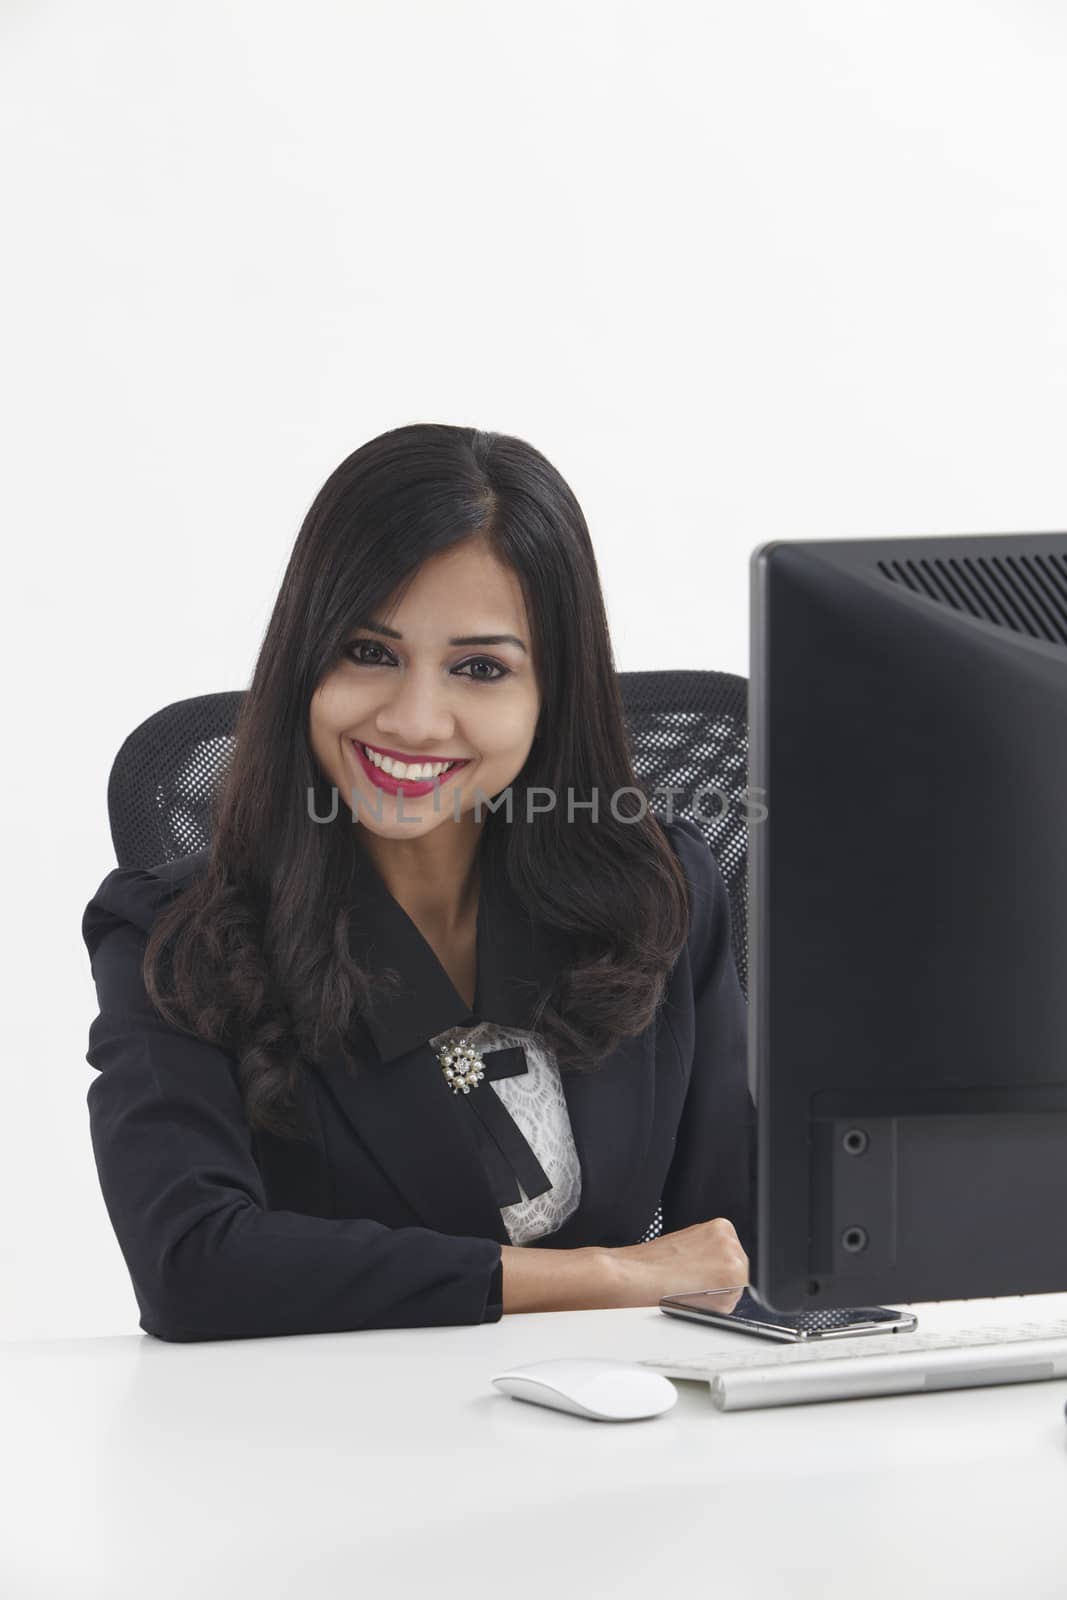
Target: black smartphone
pixel 749 1315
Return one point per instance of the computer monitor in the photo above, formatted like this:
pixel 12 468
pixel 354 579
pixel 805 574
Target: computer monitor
pixel 908 918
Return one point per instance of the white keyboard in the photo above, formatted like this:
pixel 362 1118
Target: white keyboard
pixel 873 1364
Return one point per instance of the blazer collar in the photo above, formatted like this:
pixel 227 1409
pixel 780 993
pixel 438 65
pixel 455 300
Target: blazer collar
pixel 516 959
pixel 401 1107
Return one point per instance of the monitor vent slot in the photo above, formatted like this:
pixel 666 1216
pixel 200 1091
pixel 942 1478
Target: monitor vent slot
pixel 1026 593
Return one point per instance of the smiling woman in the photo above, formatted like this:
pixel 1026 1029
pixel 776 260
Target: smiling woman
pixel 354 1054
pixel 423 718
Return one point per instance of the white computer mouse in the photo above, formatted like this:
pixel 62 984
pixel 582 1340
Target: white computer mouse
pixel 588 1386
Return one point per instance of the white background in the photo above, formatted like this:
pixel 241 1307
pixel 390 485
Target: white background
pixel 742 271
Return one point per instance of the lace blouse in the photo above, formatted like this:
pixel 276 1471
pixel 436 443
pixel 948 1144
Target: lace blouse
pixel 536 1103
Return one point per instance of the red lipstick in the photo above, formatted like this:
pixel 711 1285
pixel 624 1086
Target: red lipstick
pixel 405 786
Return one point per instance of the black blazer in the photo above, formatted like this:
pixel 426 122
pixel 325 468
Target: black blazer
pixel 385 1217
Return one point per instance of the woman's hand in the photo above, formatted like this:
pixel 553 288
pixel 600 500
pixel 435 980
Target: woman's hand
pixel 707 1255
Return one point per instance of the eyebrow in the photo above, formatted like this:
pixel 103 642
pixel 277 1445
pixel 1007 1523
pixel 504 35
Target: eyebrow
pixel 466 638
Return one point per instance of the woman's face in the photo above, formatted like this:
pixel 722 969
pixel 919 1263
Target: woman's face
pixel 412 688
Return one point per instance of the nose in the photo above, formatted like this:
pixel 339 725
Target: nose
pixel 414 713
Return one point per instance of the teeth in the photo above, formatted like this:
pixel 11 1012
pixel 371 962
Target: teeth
pixel 401 769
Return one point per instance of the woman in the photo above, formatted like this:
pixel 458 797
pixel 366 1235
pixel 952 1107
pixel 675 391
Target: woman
pixel 442 1016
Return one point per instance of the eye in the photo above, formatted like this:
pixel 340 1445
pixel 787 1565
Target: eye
pixel 364 644
pixel 499 672
pixel 483 661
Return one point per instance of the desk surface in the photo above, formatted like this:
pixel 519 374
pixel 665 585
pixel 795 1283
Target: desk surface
pixel 385 1464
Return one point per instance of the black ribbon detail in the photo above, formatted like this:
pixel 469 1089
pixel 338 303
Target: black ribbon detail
pixel 506 1156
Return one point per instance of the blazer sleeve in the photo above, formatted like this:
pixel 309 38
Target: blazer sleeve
pixel 173 1151
pixel 713 1169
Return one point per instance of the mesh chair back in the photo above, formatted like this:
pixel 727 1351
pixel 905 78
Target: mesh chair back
pixel 688 734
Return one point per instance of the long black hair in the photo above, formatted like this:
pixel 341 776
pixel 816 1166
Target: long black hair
pixel 255 954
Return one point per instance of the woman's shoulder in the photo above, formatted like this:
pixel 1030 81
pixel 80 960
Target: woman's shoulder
pixel 684 834
pixel 708 898
pixel 136 895
pixel 692 849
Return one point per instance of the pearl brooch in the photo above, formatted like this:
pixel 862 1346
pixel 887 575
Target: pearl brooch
pixel 463 1067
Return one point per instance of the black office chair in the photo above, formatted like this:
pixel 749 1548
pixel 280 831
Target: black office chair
pixel 688 729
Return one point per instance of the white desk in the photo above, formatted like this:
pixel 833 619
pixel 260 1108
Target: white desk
pixel 385 1464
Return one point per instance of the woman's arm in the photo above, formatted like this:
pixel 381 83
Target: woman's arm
pixel 558 1280
pixel 707 1255
pixel 207 1259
